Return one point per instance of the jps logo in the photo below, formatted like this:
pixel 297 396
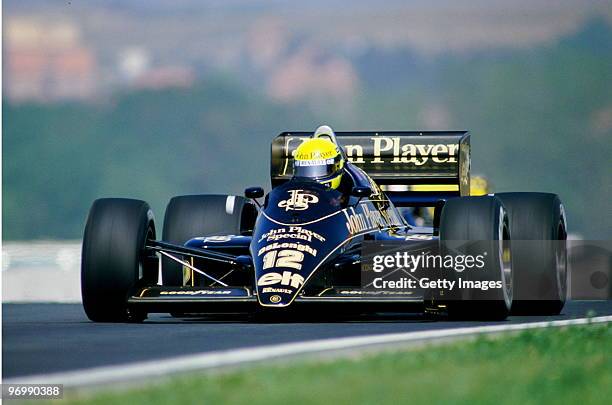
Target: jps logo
pixel 298 201
pixel 287 278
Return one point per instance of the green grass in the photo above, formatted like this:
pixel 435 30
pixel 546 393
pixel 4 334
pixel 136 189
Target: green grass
pixel 560 366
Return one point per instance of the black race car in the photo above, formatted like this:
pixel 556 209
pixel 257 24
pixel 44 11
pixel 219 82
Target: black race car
pixel 302 248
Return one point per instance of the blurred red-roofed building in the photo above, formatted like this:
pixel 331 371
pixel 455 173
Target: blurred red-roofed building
pixel 46 62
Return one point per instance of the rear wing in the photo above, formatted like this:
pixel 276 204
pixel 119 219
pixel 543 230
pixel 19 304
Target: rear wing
pixel 403 161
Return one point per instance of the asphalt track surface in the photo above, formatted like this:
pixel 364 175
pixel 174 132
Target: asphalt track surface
pixel 48 338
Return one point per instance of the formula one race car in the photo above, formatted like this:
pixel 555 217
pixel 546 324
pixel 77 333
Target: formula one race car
pixel 301 248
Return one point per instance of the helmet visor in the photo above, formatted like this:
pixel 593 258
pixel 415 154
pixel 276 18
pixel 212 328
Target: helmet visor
pixel 317 169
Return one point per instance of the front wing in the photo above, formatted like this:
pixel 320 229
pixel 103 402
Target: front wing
pixel 242 300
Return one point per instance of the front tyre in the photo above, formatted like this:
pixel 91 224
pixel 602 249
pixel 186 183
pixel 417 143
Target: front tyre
pixel 114 262
pixel 478 226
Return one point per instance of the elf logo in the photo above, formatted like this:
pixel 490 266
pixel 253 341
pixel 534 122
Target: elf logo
pixel 287 278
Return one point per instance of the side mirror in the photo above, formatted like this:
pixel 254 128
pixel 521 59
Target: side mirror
pixel 361 191
pixel 254 192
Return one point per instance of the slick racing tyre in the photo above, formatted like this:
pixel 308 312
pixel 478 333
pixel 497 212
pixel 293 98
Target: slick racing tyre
pixel 539 255
pixel 191 216
pixel 477 226
pixel 113 262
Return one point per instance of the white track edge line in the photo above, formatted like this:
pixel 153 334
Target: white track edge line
pixel 163 367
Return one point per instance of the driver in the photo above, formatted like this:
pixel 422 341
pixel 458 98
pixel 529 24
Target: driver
pixel 320 159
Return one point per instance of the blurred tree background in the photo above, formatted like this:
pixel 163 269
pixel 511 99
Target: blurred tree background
pixel 540 118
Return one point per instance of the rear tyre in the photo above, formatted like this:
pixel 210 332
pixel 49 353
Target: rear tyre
pixel 540 265
pixel 191 216
pixel 478 226
pixel 113 262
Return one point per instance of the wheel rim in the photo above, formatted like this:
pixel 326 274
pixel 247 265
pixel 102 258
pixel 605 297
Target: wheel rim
pixel 505 257
pixel 561 261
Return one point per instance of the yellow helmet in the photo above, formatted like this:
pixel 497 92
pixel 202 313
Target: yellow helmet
pixel 319 159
